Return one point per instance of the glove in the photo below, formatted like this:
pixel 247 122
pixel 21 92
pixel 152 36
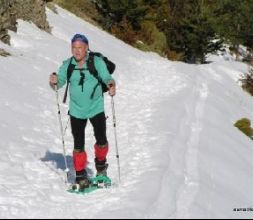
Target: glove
pixel 112 88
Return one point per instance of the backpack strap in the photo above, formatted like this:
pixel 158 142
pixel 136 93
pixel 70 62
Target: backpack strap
pixel 92 67
pixel 93 71
pixel 70 70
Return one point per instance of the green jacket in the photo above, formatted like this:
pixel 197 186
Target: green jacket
pixel 81 105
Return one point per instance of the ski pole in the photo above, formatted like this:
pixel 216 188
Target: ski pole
pixel 65 130
pixel 62 133
pixel 115 135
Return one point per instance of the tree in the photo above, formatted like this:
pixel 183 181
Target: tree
pixel 234 22
pixel 116 11
pixel 189 29
pixel 199 36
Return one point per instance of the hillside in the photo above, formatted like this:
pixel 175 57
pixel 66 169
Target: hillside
pixel 181 156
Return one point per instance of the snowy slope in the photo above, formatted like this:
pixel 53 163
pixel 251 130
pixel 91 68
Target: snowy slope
pixel 180 155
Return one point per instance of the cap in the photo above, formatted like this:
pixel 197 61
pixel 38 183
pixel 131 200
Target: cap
pixel 80 37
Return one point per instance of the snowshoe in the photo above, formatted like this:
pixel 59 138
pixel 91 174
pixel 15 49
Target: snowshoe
pixel 99 182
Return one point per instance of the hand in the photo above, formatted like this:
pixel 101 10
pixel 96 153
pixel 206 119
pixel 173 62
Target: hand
pixel 53 80
pixel 112 88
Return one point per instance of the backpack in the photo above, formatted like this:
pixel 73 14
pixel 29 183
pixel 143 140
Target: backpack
pixel 92 69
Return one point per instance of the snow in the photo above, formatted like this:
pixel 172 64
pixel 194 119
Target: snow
pixel 180 155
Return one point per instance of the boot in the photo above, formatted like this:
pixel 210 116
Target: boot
pixel 82 179
pixel 101 167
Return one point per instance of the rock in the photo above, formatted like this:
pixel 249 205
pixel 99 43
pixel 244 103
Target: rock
pixel 28 10
pixel 4 53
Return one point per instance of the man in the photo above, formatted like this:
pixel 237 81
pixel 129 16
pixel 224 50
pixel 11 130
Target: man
pixel 83 106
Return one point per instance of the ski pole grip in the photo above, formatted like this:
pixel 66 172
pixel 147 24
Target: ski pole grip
pixel 54 74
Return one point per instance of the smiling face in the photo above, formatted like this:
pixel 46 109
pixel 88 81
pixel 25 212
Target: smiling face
pixel 79 50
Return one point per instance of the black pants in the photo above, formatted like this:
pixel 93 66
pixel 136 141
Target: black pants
pixel 78 130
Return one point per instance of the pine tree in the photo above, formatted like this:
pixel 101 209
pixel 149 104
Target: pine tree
pixel 234 22
pixel 189 29
pixel 116 11
pixel 199 37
